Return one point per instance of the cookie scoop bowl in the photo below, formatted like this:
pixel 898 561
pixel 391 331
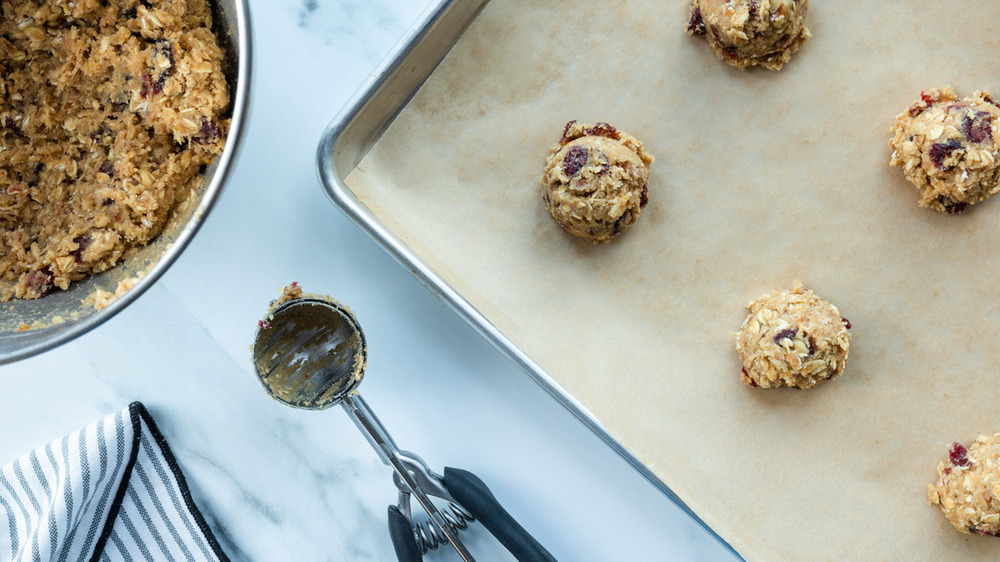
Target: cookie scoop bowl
pixel 29 327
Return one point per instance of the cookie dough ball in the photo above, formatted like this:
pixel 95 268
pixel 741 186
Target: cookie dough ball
pixel 949 149
pixel 595 180
pixel 748 33
pixel 968 486
pixel 792 338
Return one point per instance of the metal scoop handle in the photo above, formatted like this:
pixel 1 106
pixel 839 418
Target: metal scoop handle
pixel 382 442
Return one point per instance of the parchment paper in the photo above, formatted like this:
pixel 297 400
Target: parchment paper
pixel 760 178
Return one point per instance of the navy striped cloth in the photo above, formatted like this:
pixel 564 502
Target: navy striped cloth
pixel 111 491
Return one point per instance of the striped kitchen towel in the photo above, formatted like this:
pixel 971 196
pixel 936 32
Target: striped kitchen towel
pixel 111 491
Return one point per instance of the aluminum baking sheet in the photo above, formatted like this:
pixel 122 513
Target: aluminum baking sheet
pixel 760 179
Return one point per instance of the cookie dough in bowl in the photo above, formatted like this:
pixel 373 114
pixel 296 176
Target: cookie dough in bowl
pixel 745 33
pixel 968 486
pixel 100 47
pixel 113 110
pixel 949 148
pixel 792 338
pixel 595 180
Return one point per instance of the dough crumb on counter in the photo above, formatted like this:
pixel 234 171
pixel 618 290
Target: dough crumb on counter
pixel 112 111
pixel 595 180
pixel 949 148
pixel 968 486
pixel 745 33
pixel 792 338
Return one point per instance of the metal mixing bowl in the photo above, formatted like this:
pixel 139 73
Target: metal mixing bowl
pixel 61 316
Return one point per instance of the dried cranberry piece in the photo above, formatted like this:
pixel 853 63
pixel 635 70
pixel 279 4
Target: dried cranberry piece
pixel 956 106
pixel 576 157
pixel 209 132
pixel 978 126
pixel 565 134
pixel 786 333
pixel 846 322
pixel 107 202
pixel 107 168
pixel 603 130
pixel 82 243
pixel 620 223
pixel 162 50
pixel 940 150
pixel 263 325
pixel 812 344
pixel 958 455
pixel 951 206
pixel 976 529
pixel 990 100
pixel 746 378
pixel 730 51
pixel 925 101
pixel 40 281
pixel 752 10
pixel 146 87
pixel 696 25
pixel 101 134
pixel 644 198
pixel 11 126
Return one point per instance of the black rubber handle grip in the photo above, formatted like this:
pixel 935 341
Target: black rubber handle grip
pixel 472 494
pixel 403 539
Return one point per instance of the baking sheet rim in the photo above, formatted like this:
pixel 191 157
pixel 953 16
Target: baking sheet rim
pixel 337 135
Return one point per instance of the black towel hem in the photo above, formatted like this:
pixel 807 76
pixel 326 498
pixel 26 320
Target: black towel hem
pixel 137 415
pixel 116 504
pixel 199 519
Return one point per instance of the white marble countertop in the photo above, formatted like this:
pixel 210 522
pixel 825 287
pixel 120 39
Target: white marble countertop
pixel 280 484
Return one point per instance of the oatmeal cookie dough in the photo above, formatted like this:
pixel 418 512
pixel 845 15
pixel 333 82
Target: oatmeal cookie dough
pixel 792 338
pixel 949 148
pixel 595 180
pixel 968 486
pixel 745 33
pixel 112 109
